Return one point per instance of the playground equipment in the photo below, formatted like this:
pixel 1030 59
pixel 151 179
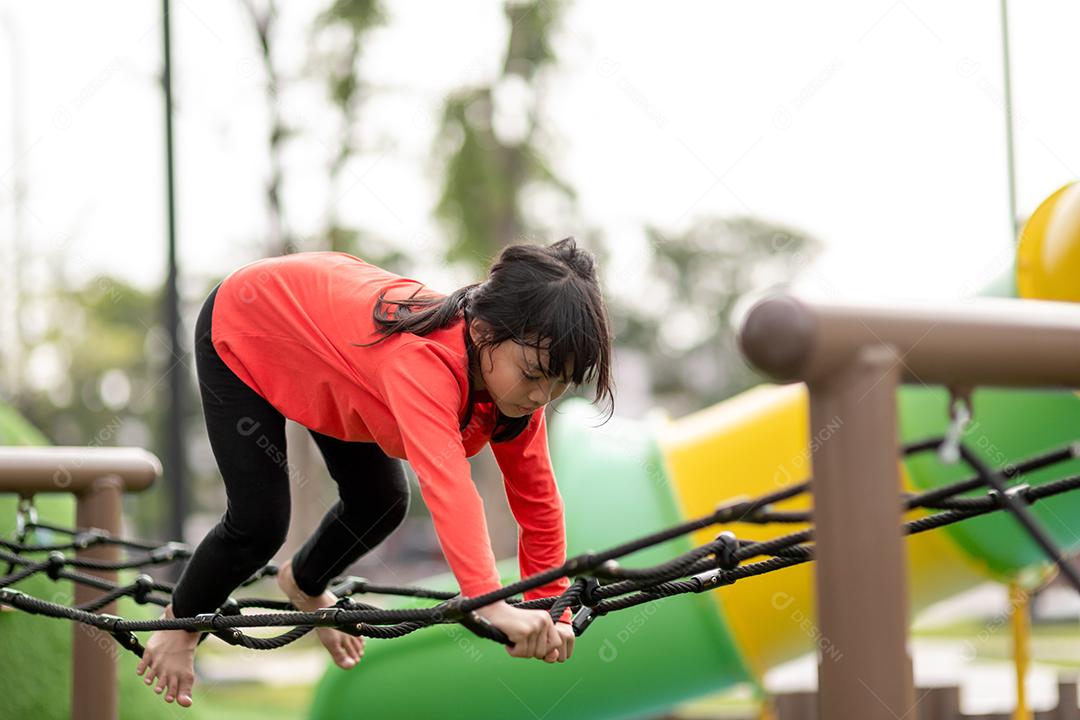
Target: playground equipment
pixel 846 422
pixel 627 477
pixel 640 475
pixel 714 565
pixel 1048 256
pixel 853 360
pixel 97 477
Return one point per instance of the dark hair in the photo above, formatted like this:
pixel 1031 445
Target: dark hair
pixel 543 297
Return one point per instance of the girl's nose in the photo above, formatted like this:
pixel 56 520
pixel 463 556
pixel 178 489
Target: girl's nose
pixel 540 395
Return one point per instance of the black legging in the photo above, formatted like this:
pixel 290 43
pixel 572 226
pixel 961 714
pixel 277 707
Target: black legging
pixel 247 436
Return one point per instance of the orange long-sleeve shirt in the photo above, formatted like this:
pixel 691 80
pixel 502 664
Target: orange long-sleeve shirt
pixel 285 326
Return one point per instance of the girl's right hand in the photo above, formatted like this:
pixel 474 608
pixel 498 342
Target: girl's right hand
pixel 532 631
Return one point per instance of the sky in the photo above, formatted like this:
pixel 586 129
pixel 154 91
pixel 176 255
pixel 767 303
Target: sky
pixel 876 127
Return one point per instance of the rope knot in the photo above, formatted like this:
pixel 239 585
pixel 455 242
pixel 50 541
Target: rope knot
pixel 141 588
pixel 54 564
pixel 727 545
pixel 588 591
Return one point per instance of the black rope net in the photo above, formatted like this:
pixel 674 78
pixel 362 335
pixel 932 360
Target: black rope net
pixel 601 585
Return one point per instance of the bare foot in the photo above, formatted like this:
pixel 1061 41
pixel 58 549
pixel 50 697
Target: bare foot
pixel 170 658
pixel 345 649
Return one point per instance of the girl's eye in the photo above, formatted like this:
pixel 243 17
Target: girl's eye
pixel 527 376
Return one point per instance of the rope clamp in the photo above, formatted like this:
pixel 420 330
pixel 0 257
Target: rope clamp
pixel 205 622
pixel 582 563
pixel 8 596
pixel 711 579
pixel 92 536
pixel 169 552
pixel 354 629
pixel 960 414
pixel 331 613
pixel 25 516
pixel 109 622
pixel 732 510
pixel 609 569
pixel 450 609
pixel 482 627
pixel 1017 492
pixel 351 586
pixel 583 618
pixel 128 641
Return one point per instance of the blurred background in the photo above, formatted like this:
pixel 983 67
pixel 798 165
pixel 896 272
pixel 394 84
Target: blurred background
pixel 705 152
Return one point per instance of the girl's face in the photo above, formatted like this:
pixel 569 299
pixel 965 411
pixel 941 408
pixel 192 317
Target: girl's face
pixel 511 374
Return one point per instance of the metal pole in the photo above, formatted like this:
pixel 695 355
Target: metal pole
pixel 176 479
pixel 861 568
pixel 10 329
pixel 1010 151
pixel 1021 632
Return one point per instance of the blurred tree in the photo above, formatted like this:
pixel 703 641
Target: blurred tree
pixel 337 38
pixel 337 42
pixel 680 321
pixel 490 142
pixel 264 21
pixel 491 145
pixel 93 376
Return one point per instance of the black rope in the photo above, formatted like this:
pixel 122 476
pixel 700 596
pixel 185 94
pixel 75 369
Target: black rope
pixel 1019 510
pixel 715 564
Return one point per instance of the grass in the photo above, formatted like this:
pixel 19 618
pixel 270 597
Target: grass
pixel 252 701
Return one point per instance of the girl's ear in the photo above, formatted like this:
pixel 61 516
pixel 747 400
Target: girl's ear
pixel 479 330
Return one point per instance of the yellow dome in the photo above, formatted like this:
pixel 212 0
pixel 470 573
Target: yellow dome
pixel 1048 257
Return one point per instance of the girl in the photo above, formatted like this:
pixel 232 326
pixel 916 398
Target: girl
pixel 379 371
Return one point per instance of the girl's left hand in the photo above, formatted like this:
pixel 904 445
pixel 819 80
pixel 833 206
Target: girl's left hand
pixel 563 652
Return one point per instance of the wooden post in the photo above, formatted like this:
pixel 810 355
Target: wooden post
pixel 1066 708
pixel 852 357
pixel 94 652
pixel 97 477
pixel 857 537
pixel 940 703
pixel 797 706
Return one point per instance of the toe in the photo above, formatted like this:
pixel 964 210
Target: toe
pixel 341 657
pixel 162 683
pixel 183 695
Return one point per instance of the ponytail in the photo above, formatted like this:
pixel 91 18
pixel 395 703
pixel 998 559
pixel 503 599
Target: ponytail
pixel 533 295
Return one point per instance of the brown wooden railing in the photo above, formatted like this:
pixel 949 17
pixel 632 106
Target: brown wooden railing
pixel 97 477
pixel 852 358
